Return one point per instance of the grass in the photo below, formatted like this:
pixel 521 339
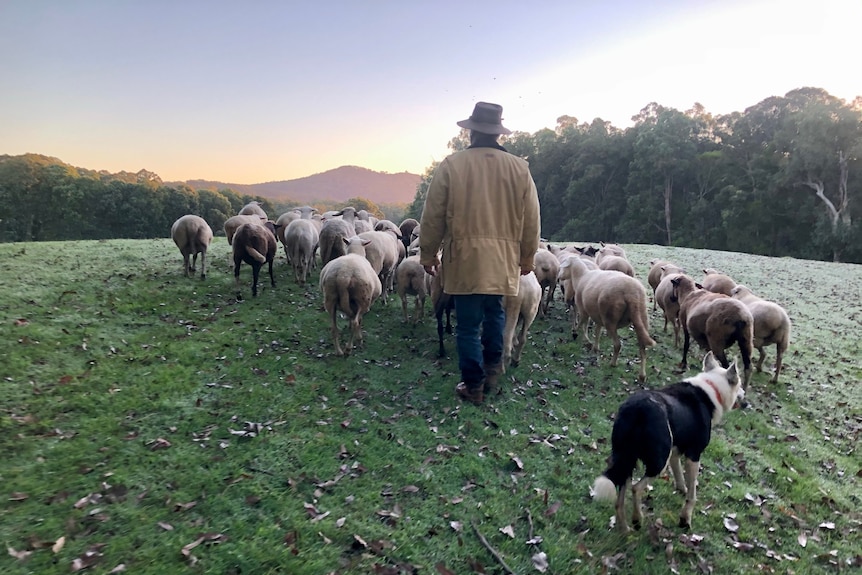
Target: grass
pixel 157 424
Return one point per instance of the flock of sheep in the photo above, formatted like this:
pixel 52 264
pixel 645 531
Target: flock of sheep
pixel 364 259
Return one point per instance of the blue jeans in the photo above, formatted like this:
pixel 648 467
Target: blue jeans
pixel 478 334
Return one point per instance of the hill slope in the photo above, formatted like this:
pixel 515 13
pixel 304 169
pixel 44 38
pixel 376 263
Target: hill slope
pixel 338 184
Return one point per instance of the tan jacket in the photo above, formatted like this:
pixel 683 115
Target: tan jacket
pixel 483 209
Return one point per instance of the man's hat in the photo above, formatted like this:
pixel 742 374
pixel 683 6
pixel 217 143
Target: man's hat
pixel 487 119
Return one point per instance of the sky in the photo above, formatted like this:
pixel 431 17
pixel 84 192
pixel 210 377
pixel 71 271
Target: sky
pixel 268 90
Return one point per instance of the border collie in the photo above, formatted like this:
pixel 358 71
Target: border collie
pixel 657 427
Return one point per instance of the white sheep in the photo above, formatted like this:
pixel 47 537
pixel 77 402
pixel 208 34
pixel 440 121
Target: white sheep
pixel 301 239
pixel 666 300
pixel 332 235
pixel 284 221
pixel 618 263
pixel 612 300
pixel 193 235
pixel 253 209
pixel 771 326
pixel 547 269
pixel 350 285
pixel 383 254
pixel 411 279
pixel 521 308
pixel 232 223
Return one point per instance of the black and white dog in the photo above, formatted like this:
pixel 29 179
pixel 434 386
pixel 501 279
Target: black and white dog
pixel 657 427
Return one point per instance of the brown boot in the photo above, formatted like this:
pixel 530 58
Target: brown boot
pixel 492 378
pixel 473 394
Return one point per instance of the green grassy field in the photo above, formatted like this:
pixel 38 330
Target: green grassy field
pixel 153 423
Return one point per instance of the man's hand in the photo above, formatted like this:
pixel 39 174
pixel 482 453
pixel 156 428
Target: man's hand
pixel 526 270
pixel 430 270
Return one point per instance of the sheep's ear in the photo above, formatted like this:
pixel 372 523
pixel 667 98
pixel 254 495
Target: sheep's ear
pixel 698 286
pixel 365 242
pixel 709 362
pixel 346 241
pixel 675 281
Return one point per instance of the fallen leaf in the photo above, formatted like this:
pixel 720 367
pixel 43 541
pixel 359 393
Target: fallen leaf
pixel 442 569
pixel 508 530
pixel 119 568
pixel 18 496
pixel 553 508
pixel 58 545
pixel 456 525
pixel 19 555
pixel 731 525
pixel 827 525
pixel 540 562
pixel 802 538
pixel 165 526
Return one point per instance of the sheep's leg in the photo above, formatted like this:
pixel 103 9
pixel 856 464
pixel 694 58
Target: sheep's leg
pixel 271 276
pixel 194 262
pixel 236 264
pixel 186 265
pixel 518 345
pixel 642 355
pixel 417 314
pixel 778 357
pixel 203 265
pixel 404 307
pixel 760 359
pixel 692 468
pixel 615 337
pixel 596 336
pixel 622 524
pixel 255 275
pixel 333 313
pixel 686 343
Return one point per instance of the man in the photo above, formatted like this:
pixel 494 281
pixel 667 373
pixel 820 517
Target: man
pixel 483 210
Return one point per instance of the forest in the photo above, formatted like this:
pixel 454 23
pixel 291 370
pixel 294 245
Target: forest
pixel 778 179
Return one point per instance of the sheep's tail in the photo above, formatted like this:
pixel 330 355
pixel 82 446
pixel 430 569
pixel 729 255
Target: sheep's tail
pixel 640 322
pixel 604 489
pixel 255 254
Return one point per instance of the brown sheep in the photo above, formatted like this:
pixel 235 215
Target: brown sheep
pixel 715 321
pixel 618 263
pixel 234 222
pixel 717 282
pixel 255 245
pixel 253 209
pixel 411 279
pixel 771 326
pixel 193 235
pixel 658 269
pixel 668 303
pixel 612 300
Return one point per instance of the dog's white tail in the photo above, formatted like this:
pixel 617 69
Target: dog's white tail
pixel 604 489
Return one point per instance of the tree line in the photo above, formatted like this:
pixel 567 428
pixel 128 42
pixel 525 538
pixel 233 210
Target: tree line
pixel 777 179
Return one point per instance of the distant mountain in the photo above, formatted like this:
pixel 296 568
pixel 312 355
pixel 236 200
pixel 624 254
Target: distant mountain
pixel 339 184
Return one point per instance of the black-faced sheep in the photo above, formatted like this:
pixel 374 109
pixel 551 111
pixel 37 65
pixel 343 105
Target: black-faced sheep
pixel 255 245
pixel 612 300
pixel 771 326
pixel 350 285
pixel 717 282
pixel 193 235
pixel 715 321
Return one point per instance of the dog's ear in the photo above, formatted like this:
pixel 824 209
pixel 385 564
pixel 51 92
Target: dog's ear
pixel 709 362
pixel 732 374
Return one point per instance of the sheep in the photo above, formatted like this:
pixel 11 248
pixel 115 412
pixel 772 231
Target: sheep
pixel 193 235
pixel 331 239
pixel 253 209
pixel 412 279
pixel 611 299
pixel 350 285
pixel 658 269
pixel 609 250
pixel 618 263
pixel 717 282
pixel 523 307
pixel 231 224
pixel 547 269
pixel 255 245
pixel 442 303
pixel 771 326
pixel 407 226
pixel 715 321
pixel 667 301
pixel 383 254
pixel 283 221
pixel 301 239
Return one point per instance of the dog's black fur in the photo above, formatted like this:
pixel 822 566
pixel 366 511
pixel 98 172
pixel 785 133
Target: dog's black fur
pixel 657 427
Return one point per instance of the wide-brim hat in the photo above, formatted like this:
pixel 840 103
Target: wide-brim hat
pixel 487 118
